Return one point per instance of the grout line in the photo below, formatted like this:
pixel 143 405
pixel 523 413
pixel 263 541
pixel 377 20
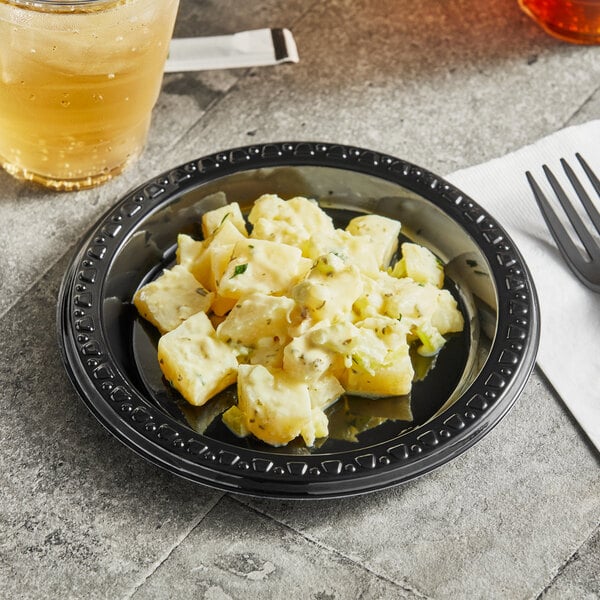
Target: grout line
pixel 404 586
pixel 580 107
pixel 571 559
pixel 211 105
pixel 594 451
pixel 22 294
pixel 167 554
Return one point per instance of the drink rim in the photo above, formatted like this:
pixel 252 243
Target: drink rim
pixel 62 5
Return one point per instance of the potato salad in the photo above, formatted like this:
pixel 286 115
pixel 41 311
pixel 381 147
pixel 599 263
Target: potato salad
pixel 296 313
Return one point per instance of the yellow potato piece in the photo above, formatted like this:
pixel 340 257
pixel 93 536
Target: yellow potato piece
pixel 195 362
pixel 188 250
pixel 390 380
pixel 446 317
pixel 420 264
pixel 210 264
pixel 354 250
pixel 288 221
pixel 324 392
pixel 257 328
pixel 209 268
pixel 306 361
pixel 382 234
pixel 381 364
pixel 172 298
pixel 329 290
pixel 421 302
pixel 231 213
pixel 276 407
pixel 221 306
pixel 262 266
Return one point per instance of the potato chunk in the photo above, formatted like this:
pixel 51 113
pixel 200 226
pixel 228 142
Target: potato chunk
pixel 276 407
pixel 420 264
pixel 208 267
pixel 330 289
pixel 257 328
pixel 171 298
pixel 288 221
pixel 188 250
pixel 382 234
pixel 195 362
pixel 352 249
pixel 422 303
pixel 306 360
pixel 262 266
pixel 231 213
pixel 381 362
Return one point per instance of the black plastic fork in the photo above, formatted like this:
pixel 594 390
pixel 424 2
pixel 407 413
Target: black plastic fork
pixel 586 266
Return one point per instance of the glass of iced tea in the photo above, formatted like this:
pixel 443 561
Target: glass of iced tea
pixel 78 81
pixel 576 21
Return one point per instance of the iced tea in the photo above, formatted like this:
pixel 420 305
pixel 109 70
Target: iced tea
pixel 570 20
pixel 78 81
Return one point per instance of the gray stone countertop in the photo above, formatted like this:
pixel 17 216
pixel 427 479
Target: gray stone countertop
pixel 442 84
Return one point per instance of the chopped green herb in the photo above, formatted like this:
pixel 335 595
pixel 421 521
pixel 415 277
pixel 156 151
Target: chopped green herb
pixel 239 269
pixel 471 262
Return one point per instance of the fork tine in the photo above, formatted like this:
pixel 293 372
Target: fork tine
pixel 563 241
pixel 588 171
pixel 584 235
pixel 591 210
pixel 593 179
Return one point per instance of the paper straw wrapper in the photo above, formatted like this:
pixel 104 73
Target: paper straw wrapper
pixel 256 48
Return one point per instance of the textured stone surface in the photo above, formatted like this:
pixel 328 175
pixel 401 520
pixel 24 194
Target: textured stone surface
pixel 80 515
pixel 580 576
pixel 445 84
pixel 235 552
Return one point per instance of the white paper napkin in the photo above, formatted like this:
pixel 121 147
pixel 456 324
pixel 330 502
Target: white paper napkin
pixel 569 353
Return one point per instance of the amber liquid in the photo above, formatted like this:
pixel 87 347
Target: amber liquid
pixel 576 21
pixel 77 89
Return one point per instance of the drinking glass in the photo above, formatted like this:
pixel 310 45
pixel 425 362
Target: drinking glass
pixel 78 81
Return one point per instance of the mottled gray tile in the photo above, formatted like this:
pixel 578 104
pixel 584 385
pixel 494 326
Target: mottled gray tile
pixel 218 17
pixel 588 111
pixel 443 84
pixel 235 552
pixel 580 577
pixel 497 522
pixel 81 516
